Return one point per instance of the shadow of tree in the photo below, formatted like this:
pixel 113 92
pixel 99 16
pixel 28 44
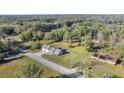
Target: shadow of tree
pixel 7 61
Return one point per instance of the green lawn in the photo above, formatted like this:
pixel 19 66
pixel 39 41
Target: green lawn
pixel 67 59
pixel 75 53
pixel 100 68
pixel 105 68
pixel 9 68
pixel 43 42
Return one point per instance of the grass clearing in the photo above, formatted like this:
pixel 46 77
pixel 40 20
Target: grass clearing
pixel 104 68
pixel 45 42
pixel 9 68
pixel 67 59
pixel 75 53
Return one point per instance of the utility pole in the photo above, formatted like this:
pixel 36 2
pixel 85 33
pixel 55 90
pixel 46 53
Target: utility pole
pixel 71 63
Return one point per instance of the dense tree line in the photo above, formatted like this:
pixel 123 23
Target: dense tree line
pixel 83 29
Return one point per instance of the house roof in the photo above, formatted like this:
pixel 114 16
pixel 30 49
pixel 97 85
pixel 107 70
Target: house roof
pixel 52 49
pixel 46 46
pixel 57 51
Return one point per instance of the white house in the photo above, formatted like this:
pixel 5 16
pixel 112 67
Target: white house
pixel 45 48
pixel 52 50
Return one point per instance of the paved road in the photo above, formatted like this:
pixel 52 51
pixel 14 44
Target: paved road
pixel 37 57
pixel 21 52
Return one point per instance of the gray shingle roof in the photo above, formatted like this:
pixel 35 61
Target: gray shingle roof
pixel 58 52
pixel 52 49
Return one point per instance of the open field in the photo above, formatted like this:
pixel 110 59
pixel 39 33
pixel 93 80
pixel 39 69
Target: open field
pixel 100 69
pixel 9 68
pixel 75 53
pixel 104 68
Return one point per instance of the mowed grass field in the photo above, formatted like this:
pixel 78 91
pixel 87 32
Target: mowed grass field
pixel 104 68
pixel 72 55
pixel 75 53
pixel 9 68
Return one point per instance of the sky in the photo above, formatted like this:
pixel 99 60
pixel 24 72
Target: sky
pixel 61 7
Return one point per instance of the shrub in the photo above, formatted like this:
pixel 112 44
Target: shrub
pixel 28 70
pixel 35 46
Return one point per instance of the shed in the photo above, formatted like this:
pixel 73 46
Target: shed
pixel 105 58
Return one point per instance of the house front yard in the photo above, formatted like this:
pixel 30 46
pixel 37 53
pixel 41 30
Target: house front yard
pixel 10 67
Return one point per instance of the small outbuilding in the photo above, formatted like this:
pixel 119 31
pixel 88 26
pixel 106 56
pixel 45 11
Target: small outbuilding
pixel 105 58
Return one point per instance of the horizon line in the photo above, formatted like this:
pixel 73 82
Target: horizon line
pixel 58 14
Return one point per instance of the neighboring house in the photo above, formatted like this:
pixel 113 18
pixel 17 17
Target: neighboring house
pixel 13 38
pixel 45 48
pixel 2 39
pixel 10 38
pixel 58 51
pixel 105 58
pixel 97 41
pixel 52 50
